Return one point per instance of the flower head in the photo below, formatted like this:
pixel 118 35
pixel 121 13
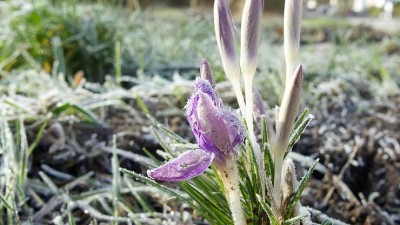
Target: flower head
pixel 225 39
pixel 217 130
pixel 250 36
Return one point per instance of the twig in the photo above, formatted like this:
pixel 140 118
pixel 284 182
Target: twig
pixel 318 217
pixel 340 177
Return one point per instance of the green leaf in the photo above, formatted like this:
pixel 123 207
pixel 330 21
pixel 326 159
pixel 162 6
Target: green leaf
pixel 38 137
pixel 272 219
pixel 301 118
pixel 4 201
pixel 161 187
pixel 74 108
pixel 300 126
pixel 210 211
pixel 297 195
pixel 294 220
pixel 167 131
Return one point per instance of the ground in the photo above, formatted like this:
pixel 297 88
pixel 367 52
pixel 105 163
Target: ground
pixel 57 160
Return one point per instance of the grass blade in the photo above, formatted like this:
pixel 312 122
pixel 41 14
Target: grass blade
pixel 272 219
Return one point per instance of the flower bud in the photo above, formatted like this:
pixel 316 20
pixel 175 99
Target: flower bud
pixel 225 39
pixel 288 110
pixel 205 72
pixel 250 36
pixel 292 28
pixel 217 130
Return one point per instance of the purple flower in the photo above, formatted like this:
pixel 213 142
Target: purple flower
pixel 250 35
pixel 217 130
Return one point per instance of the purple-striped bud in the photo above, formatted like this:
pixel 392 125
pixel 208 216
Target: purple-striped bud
pixel 217 130
pixel 205 72
pixel 289 109
pixel 186 166
pixel 250 36
pixel 292 28
pixel 225 38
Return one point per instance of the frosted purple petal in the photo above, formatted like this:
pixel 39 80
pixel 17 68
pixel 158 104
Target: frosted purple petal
pixel 186 166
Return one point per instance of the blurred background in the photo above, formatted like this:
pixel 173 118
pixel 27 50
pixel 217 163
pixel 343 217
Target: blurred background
pixel 77 79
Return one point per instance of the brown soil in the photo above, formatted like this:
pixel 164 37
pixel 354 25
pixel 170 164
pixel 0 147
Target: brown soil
pixel 357 139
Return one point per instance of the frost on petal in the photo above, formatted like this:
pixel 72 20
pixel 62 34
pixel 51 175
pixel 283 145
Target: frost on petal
pixel 234 126
pixel 201 85
pixel 186 166
pixel 220 129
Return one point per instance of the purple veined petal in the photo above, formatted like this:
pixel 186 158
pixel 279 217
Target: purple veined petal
pixel 234 126
pixel 292 29
pixel 205 72
pixel 224 33
pixel 186 166
pixel 205 87
pixel 216 125
pixel 250 35
pixel 202 85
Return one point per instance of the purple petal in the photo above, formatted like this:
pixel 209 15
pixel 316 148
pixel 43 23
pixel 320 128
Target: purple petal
pixel 250 34
pixel 219 128
pixel 205 72
pixel 224 32
pixel 186 166
pixel 203 86
pixel 234 126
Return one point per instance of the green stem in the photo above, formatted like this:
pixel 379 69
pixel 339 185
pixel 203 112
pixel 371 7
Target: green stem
pixel 278 162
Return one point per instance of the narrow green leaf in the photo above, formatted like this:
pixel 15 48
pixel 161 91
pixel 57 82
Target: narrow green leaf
pixel 167 131
pixel 296 133
pixel 301 118
pixel 161 187
pixel 152 157
pixel 117 60
pixel 272 219
pixel 88 115
pixel 38 137
pixel 71 218
pixel 269 162
pixel 4 201
pixel 144 204
pixel 142 105
pixel 162 142
pixel 294 220
pixel 209 210
pixel 264 130
pixel 297 195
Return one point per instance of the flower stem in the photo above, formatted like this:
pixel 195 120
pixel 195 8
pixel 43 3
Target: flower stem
pixel 248 87
pixel 239 95
pixel 278 162
pixel 229 174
